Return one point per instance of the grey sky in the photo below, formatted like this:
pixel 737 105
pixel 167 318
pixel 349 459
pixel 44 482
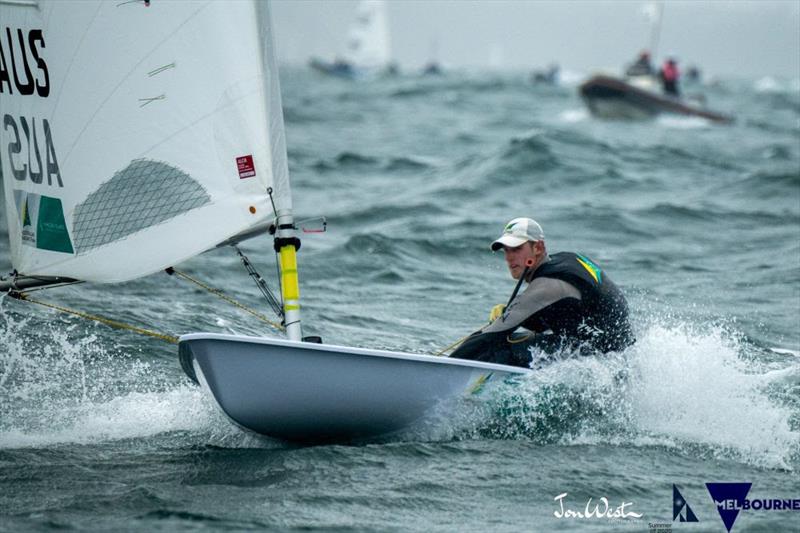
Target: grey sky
pixel 753 38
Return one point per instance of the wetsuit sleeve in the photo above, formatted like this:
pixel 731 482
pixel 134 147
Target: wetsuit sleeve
pixel 542 301
pixel 540 294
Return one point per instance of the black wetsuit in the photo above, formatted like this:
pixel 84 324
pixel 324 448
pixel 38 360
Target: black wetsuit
pixel 569 303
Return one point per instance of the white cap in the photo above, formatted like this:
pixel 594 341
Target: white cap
pixel 518 232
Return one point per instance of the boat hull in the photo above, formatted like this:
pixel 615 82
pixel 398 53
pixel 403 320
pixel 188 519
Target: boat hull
pixel 308 392
pixel 612 98
pixel 337 69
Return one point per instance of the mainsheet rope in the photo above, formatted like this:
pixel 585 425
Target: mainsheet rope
pixel 107 321
pixel 223 296
pixel 171 338
pixel 144 331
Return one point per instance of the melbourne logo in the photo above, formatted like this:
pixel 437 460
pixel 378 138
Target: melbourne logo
pixel 730 498
pixel 680 507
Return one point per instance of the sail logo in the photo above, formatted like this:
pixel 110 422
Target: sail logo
pixel 22 68
pixel 42 224
pixel 28 159
pixel 26 142
pixel 680 507
pixel 731 498
pixel 245 166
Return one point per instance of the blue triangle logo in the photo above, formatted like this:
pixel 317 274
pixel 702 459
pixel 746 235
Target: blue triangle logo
pixel 729 499
pixel 679 504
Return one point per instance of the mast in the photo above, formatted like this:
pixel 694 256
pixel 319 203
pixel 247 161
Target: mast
pixel 654 12
pixel 286 242
pixel 286 245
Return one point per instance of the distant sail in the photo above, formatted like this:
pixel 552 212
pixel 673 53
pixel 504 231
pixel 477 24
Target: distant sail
pixel 368 44
pixel 136 134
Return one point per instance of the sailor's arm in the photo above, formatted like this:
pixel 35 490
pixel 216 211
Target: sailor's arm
pixel 538 295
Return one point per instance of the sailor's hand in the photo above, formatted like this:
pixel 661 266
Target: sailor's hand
pixel 496 312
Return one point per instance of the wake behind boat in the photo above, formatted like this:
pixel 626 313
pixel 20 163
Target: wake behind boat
pixel 614 98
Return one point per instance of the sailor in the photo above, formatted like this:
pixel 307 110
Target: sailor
pixel 670 76
pixel 642 66
pixel 569 305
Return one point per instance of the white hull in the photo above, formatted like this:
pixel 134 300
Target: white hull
pixel 314 392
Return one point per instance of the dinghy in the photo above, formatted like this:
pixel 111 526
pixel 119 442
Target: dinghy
pixel 310 392
pixel 368 45
pixel 139 134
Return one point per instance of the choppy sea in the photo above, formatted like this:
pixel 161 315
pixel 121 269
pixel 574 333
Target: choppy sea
pixel 699 224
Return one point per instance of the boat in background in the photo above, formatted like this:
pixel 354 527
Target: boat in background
pixel 368 46
pixel 638 98
pixel 639 95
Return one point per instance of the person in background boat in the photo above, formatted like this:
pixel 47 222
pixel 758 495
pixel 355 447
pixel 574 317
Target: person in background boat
pixel 693 74
pixel 669 77
pixel 569 303
pixel 549 76
pixel 642 65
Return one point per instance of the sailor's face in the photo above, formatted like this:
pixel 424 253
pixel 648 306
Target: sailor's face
pixel 520 256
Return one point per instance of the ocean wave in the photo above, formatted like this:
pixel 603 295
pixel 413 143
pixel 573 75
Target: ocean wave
pixel 674 212
pixel 672 156
pixel 767 185
pixel 379 212
pixel 780 152
pixel 354 161
pixel 686 388
pixel 684 123
pixel 521 156
pixel 773 127
pixel 414 250
pixel 782 102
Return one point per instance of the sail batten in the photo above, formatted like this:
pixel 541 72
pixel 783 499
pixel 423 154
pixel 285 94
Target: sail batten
pixel 144 135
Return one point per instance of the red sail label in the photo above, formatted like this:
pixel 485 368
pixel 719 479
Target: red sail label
pixel 247 169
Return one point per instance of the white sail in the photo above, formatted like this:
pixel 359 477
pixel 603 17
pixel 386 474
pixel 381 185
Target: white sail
pixel 135 134
pixel 368 43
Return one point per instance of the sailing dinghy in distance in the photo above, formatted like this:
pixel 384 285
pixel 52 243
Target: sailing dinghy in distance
pixel 368 52
pixel 139 134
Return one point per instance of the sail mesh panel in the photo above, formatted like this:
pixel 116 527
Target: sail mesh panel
pixel 141 195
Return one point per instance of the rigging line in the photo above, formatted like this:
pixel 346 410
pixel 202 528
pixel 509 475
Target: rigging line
pixel 273 231
pixel 457 343
pixel 528 266
pixel 454 345
pixel 261 284
pixel 272 201
pixel 107 321
pixel 225 297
